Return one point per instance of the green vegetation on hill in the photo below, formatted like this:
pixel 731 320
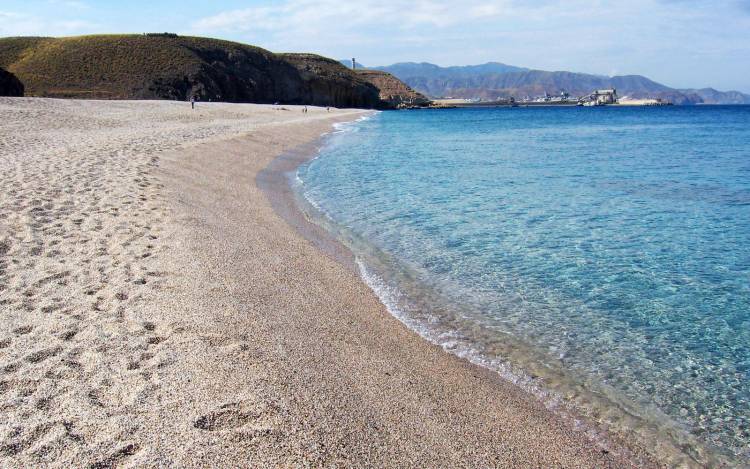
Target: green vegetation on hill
pixel 119 66
pixel 166 66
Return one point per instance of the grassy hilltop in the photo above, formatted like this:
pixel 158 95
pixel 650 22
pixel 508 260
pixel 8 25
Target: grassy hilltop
pixel 165 66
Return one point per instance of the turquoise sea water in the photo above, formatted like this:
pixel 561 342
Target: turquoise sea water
pixel 596 256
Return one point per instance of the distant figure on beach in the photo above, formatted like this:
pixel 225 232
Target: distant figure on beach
pixel 328 108
pixel 304 110
pixel 192 102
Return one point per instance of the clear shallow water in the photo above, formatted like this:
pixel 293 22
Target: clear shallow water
pixel 602 252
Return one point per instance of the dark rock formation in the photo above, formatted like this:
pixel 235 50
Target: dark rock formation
pixel 394 93
pixel 242 75
pixel 328 83
pixel 9 84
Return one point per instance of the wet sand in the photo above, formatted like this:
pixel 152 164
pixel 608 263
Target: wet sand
pixel 158 310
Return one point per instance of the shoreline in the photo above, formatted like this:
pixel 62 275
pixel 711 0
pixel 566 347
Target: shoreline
pixel 273 181
pixel 679 448
pixel 276 182
pixel 161 312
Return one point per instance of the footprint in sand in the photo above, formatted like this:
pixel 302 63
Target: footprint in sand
pixel 68 335
pixel 236 415
pixel 41 355
pixel 154 340
pixel 224 419
pixel 117 457
pixel 22 444
pixel 23 330
pixel 12 367
pixel 52 308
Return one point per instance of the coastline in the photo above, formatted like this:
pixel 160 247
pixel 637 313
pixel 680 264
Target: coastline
pixel 161 312
pixel 276 182
pixel 599 411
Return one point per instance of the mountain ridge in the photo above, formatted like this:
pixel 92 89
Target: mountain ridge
pixel 495 80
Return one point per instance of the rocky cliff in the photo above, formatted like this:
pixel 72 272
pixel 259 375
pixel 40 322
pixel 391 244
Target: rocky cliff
pixel 9 84
pixel 394 93
pixel 327 82
pixel 712 96
pixel 166 66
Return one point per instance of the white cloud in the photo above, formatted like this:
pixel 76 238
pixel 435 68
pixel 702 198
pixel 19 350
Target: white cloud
pixel 334 14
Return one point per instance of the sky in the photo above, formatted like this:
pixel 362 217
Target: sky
pixel 681 43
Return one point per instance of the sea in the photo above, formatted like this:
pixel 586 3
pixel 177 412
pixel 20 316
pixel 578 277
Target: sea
pixel 597 257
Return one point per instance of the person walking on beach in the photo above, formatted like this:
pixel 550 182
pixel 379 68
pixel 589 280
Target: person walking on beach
pixel 192 102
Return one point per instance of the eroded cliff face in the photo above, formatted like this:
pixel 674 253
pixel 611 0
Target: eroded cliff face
pixel 394 93
pixel 230 75
pixel 9 84
pixel 328 83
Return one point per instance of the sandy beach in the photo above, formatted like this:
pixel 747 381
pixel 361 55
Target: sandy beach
pixel 159 308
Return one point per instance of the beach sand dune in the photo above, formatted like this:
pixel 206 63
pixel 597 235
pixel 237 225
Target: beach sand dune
pixel 155 310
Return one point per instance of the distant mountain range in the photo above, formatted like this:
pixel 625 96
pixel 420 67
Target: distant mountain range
pixel 497 80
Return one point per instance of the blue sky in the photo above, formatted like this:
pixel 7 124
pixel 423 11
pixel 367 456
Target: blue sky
pixel 681 43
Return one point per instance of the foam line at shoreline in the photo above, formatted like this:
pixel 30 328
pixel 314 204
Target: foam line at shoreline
pixel 325 236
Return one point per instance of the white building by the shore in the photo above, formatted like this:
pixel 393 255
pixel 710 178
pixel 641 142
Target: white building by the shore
pixel 602 97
